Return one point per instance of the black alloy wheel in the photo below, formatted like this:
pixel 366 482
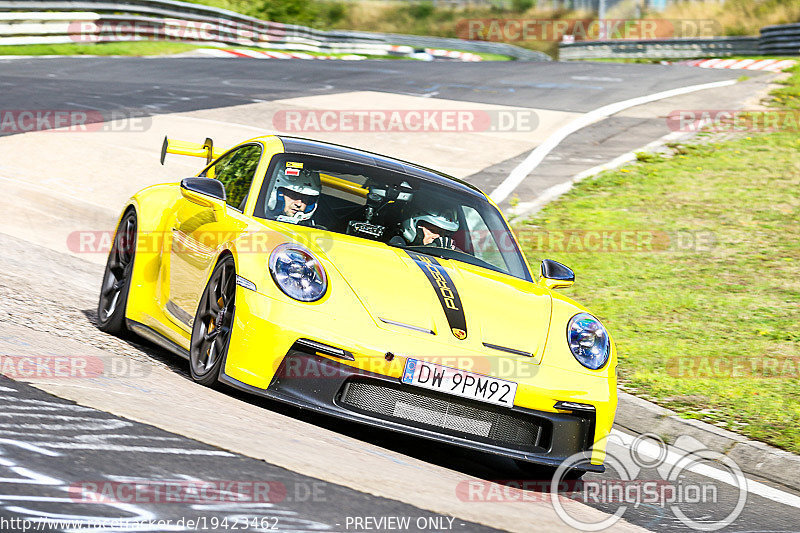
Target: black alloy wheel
pixel 117 277
pixel 211 330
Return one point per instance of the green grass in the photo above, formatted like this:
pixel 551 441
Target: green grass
pixel 738 297
pixel 660 59
pixel 487 56
pixel 143 48
pixel 152 48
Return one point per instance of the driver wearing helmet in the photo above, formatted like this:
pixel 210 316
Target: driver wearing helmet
pixel 295 195
pixel 430 225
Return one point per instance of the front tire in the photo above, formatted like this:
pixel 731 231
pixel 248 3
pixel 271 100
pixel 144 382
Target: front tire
pixel 213 323
pixel 117 277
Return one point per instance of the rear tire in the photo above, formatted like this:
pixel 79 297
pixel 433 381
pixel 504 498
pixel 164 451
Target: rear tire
pixel 213 323
pixel 117 278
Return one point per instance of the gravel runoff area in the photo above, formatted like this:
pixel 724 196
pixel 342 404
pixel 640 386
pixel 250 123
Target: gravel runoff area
pixel 57 294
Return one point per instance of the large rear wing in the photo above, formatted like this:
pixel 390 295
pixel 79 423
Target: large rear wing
pixel 189 148
pixel 207 150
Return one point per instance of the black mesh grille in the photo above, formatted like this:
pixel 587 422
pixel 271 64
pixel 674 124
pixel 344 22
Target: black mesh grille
pixel 450 415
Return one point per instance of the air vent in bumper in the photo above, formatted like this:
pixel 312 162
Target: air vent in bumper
pixel 452 416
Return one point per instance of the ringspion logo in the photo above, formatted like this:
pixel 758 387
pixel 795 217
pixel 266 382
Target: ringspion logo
pixel 640 472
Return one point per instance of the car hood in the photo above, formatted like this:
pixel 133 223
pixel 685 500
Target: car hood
pixel 499 310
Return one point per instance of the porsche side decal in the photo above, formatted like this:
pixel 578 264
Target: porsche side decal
pixel 446 291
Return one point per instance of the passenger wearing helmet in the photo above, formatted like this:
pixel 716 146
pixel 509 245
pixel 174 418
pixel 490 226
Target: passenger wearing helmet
pixel 430 225
pixel 295 195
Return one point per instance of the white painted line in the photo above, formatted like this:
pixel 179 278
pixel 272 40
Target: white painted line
pixel 780 65
pixel 214 52
pixel 254 54
pixel 28 446
pixel 41 402
pixel 551 193
pixel 278 55
pixel 743 63
pixel 52 417
pixel 38 408
pixel 726 63
pixel 122 448
pixel 759 65
pixel 753 487
pixel 709 63
pixel 29 477
pixel 538 154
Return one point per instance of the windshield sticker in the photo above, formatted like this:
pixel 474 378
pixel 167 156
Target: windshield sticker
pixel 292 164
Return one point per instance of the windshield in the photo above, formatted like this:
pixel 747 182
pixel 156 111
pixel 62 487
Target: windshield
pixel 390 207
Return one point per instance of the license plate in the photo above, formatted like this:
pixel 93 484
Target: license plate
pixel 459 382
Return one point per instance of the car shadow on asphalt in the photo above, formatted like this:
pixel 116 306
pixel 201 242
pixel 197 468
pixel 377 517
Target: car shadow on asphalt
pixel 473 463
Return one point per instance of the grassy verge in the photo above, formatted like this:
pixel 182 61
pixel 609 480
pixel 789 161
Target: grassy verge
pixel 720 284
pixel 152 48
pixel 143 48
pixel 659 60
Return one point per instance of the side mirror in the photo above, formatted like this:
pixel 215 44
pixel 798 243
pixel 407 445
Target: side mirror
pixel 204 191
pixel 555 275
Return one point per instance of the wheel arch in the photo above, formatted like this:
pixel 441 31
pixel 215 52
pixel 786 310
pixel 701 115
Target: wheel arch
pixel 152 206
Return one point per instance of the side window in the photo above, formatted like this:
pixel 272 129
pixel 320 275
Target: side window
pixel 482 239
pixel 236 171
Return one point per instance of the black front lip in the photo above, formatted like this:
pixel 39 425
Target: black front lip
pixel 320 392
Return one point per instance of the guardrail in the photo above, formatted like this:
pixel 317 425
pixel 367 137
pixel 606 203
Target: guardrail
pixel 42 22
pixel 780 40
pixel 773 40
pixel 660 48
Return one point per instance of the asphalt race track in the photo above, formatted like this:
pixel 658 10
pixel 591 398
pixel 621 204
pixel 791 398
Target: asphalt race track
pixel 62 442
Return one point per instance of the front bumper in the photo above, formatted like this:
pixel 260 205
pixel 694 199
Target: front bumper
pixel 327 386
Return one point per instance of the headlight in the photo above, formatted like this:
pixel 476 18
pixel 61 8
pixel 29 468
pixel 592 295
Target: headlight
pixel 297 272
pixel 588 340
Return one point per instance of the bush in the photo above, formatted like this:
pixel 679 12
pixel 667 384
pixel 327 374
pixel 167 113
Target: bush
pixel 520 6
pixel 422 10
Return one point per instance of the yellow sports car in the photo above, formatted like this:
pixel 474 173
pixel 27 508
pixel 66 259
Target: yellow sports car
pixel 366 288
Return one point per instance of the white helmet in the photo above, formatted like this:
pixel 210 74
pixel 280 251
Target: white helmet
pixel 301 181
pixel 442 217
